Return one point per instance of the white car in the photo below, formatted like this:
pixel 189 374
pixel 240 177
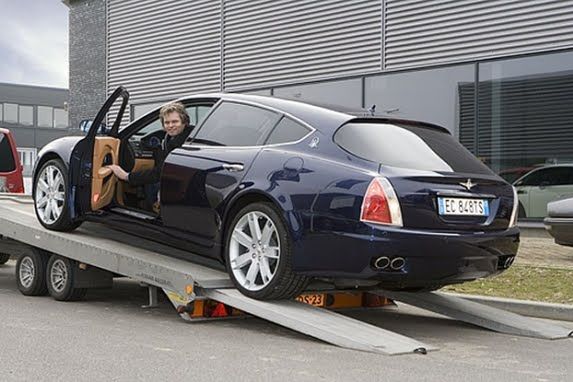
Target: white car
pixel 541 186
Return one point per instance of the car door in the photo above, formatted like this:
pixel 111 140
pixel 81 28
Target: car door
pixel 92 184
pixel 555 183
pixel 524 186
pixel 198 179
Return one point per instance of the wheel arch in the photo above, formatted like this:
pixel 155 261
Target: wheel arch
pixel 43 159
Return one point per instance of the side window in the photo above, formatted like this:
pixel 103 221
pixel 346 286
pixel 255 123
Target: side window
pixel 7 163
pixel 532 179
pixel 233 124
pixel 197 113
pixel 557 176
pixel 287 130
pixel 154 125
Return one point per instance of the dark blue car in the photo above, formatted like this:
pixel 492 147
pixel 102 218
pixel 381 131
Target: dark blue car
pixel 283 192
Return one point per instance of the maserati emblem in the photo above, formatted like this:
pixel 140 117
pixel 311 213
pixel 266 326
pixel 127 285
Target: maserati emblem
pixel 468 184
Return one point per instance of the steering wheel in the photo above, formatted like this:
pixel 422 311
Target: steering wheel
pixel 152 141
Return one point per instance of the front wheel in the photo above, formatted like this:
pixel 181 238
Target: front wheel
pixel 51 199
pixel 258 254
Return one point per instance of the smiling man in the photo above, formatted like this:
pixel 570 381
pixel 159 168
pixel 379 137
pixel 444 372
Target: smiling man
pixel 175 121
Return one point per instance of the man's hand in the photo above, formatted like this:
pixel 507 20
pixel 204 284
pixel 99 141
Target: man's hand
pixel 118 171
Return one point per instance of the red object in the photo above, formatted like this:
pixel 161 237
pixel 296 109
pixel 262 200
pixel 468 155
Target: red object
pixel 220 311
pixel 375 206
pixel 10 168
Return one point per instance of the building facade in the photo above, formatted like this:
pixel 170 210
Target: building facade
pixel 498 74
pixel 35 115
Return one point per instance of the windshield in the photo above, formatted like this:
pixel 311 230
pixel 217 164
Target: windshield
pixel 408 146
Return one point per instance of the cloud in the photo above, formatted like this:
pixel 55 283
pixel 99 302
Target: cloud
pixel 34 42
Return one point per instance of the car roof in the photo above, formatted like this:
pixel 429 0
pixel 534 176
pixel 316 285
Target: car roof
pixel 326 118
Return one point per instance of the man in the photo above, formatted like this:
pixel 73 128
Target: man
pixel 175 122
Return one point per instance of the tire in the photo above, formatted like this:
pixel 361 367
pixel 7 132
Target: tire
pixel 4 257
pixel 51 199
pixel 31 273
pixel 272 252
pixel 60 274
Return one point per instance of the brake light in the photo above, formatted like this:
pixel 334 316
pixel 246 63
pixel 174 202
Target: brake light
pixel 380 204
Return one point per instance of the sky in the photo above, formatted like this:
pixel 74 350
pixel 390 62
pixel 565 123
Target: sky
pixel 34 42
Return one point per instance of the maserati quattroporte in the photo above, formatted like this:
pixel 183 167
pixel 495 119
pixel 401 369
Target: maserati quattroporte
pixel 283 192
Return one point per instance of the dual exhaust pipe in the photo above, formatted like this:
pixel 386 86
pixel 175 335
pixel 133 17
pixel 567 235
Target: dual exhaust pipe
pixel 384 262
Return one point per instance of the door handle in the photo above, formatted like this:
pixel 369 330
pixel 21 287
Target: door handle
pixel 521 192
pixel 233 167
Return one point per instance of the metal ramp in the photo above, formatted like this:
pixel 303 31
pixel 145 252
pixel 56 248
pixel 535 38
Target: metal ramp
pixel 184 281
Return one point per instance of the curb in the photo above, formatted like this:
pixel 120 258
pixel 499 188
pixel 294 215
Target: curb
pixel 560 312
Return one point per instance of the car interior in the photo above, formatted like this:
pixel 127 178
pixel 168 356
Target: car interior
pixel 134 152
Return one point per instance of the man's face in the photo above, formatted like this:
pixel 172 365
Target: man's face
pixel 172 124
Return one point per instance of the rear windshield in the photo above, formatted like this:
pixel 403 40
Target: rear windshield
pixel 7 163
pixel 413 147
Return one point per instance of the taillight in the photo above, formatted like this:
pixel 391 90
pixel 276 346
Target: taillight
pixel 380 204
pixel 513 219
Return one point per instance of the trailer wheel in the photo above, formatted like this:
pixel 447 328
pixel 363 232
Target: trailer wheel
pixel 60 276
pixel 258 254
pixel 31 273
pixel 4 257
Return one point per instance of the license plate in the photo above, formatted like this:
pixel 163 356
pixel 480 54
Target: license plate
pixel 463 207
pixel 315 299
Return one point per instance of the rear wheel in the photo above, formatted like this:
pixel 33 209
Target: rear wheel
pixel 60 276
pixel 51 199
pixel 31 273
pixel 258 254
pixel 4 257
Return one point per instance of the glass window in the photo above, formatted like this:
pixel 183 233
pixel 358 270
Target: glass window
pixel 1 112
pixel 45 116
pixel 287 130
pixel 7 163
pixel 26 115
pixel 346 93
pixel 233 124
pixel 408 146
pixel 552 176
pixel 443 96
pixel 11 113
pixel 60 118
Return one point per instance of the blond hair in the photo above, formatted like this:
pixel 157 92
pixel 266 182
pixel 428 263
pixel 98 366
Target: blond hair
pixel 175 107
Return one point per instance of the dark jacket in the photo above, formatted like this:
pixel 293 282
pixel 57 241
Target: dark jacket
pixel 153 175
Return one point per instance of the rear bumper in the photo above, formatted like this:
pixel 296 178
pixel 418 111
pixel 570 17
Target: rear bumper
pixel 561 229
pixel 431 259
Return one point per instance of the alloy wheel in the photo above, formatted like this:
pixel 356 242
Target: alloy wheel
pixel 50 194
pixel 254 250
pixel 58 275
pixel 27 272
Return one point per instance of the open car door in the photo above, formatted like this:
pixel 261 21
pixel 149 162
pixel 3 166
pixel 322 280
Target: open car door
pixel 93 185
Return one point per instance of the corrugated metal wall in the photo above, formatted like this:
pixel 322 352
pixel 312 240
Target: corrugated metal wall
pixel 427 32
pixel 273 42
pixel 163 48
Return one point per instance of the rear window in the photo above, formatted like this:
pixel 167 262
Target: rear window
pixel 7 163
pixel 413 147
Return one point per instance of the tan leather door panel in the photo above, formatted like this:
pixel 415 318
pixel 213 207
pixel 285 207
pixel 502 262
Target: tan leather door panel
pixel 103 180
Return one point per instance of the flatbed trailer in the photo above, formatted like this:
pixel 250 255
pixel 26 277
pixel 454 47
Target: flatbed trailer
pixel 95 254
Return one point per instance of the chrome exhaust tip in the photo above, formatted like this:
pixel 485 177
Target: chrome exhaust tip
pixel 382 262
pixel 509 261
pixel 397 263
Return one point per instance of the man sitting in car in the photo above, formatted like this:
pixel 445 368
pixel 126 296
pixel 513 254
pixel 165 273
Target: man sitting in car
pixel 175 121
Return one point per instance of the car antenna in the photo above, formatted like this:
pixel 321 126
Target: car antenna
pixel 372 109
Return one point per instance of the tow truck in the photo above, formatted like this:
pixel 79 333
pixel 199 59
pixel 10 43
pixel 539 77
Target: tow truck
pixel 66 265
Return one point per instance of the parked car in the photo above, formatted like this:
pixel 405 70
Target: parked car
pixel 541 186
pixel 10 177
pixel 510 175
pixel 559 221
pixel 283 191
pixel 10 168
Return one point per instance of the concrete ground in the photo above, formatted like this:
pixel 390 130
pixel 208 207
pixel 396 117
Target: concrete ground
pixel 542 251
pixel 109 337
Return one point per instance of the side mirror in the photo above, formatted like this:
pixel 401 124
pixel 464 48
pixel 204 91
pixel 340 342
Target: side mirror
pixel 86 124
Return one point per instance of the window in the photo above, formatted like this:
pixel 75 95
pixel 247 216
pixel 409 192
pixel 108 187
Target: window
pixel 7 163
pixel 60 118
pixel 233 124
pixel 553 176
pixel 26 115
pixel 45 116
pixel 287 130
pixel 408 146
pixel 1 112
pixel 11 113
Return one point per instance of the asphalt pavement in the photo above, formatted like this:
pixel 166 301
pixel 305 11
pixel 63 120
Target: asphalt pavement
pixel 109 337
